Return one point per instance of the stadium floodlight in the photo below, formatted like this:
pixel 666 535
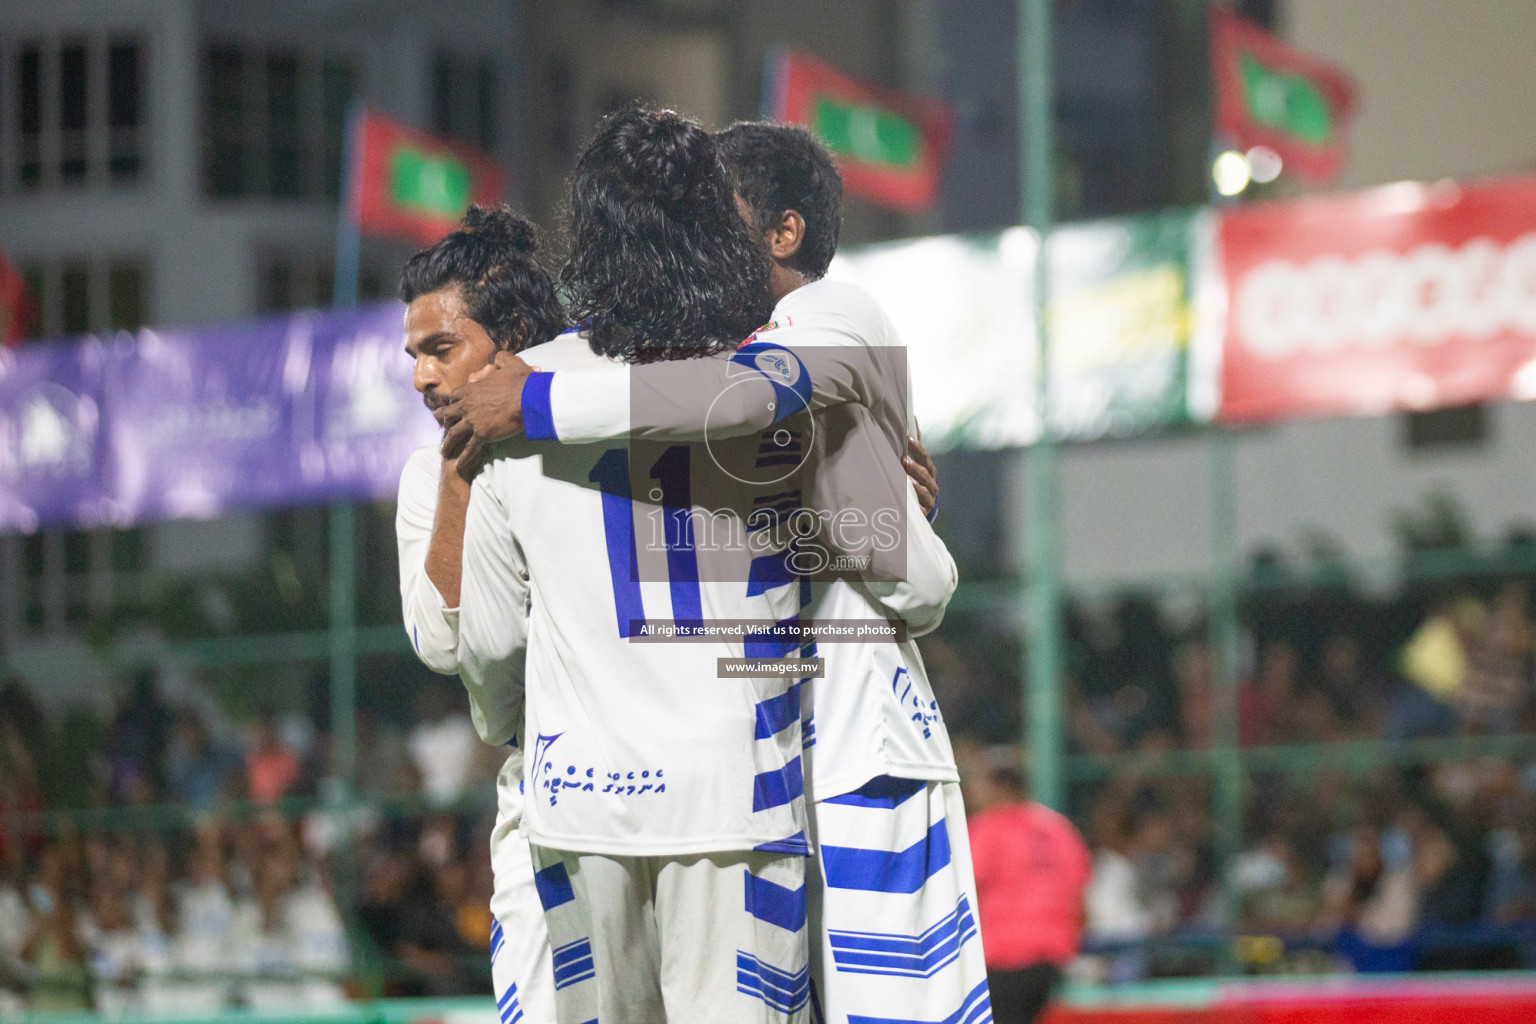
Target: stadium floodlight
pixel 1230 172
pixel 1264 164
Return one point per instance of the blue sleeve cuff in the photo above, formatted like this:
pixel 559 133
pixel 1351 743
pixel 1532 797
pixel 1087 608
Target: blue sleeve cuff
pixel 791 380
pixel 931 516
pixel 538 418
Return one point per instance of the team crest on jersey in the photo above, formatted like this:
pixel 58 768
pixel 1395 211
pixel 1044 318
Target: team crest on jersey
pixel 778 366
pixel 771 325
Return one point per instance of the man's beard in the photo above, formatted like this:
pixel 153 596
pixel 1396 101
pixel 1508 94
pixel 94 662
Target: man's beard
pixel 436 401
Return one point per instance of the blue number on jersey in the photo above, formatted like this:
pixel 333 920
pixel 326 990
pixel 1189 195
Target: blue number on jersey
pixel 611 474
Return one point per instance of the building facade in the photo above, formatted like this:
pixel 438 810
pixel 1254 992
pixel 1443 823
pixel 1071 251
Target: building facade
pixel 179 162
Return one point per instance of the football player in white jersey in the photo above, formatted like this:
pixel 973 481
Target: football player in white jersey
pixel 665 800
pixel 476 292
pixel 893 897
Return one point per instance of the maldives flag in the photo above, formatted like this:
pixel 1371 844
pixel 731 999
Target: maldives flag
pixel 889 147
pixel 1269 94
pixel 410 185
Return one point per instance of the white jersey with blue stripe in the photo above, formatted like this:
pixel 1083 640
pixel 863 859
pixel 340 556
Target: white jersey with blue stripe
pixel 520 968
pixel 874 711
pixel 432 626
pixel 892 898
pixel 634 746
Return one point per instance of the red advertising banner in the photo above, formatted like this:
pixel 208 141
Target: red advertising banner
pixel 1382 999
pixel 1406 296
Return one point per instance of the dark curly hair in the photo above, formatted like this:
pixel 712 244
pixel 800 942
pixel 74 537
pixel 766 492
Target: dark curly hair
pixel 662 266
pixel 778 167
pixel 491 259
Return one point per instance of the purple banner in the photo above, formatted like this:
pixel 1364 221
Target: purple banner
pixel 311 407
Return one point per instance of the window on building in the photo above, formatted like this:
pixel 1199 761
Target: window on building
pixel 560 113
pixel 287 281
pixel 78 109
pixel 443 99
pixel 488 107
pixel 338 88
pixel 325 283
pixel 1437 430
pixel 294 281
pixel 29 116
pixel 34 565
pixel 464 98
pixel 125 111
pixel 374 283
pixel 130 550
pixel 77 552
pixel 36 276
pixel 276 286
pixel 284 163
pixel 225 157
pixel 81 296
pixel 75 296
pixel 274 121
pixel 74 95
pixel 126 287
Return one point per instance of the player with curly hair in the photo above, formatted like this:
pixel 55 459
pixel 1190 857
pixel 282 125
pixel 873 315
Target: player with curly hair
pixel 477 292
pixel 666 807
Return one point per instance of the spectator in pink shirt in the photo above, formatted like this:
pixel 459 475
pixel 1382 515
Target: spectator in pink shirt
pixel 1031 869
pixel 271 769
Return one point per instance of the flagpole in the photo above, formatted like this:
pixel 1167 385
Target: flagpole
pixel 1224 634
pixel 771 105
pixel 342 545
pixel 349 239
pixel 1043 699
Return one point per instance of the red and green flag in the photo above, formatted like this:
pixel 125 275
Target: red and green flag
pixel 411 185
pixel 890 147
pixel 1271 94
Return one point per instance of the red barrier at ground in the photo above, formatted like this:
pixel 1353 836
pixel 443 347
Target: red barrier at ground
pixel 1404 1002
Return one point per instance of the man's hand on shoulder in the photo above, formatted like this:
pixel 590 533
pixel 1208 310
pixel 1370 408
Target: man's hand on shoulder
pixel 925 476
pixel 487 409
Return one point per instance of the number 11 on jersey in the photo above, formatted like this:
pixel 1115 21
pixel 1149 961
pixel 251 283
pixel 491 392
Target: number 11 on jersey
pixel 673 493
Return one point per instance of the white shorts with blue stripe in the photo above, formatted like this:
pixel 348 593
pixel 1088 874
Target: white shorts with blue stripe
pixel 520 962
pixel 699 939
pixel 893 902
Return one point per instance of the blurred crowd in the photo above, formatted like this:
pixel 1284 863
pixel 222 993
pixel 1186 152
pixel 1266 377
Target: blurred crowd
pixel 210 872
pixel 223 879
pixel 186 923
pixel 153 751
pixel 1350 857
pixel 1424 868
pixel 1403 668
pixel 1316 665
pixel 1344 862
